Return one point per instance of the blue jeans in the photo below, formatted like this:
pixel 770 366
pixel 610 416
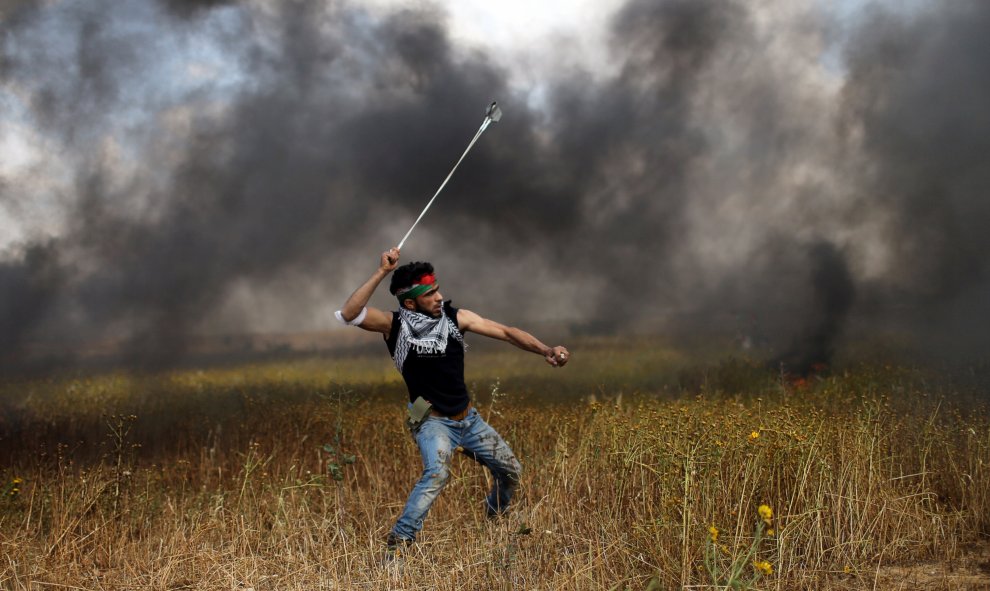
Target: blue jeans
pixel 438 438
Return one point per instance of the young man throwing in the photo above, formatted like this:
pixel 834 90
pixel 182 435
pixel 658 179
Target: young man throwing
pixel 425 339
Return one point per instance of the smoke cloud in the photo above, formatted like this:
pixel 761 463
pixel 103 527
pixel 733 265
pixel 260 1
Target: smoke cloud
pixel 916 97
pixel 227 167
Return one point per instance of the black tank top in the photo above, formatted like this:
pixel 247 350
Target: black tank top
pixel 437 377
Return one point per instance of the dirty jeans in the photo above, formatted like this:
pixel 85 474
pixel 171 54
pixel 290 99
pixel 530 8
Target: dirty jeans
pixel 437 439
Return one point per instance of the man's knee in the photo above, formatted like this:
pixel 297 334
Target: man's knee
pixel 437 476
pixel 512 474
pixel 512 468
pixel 437 471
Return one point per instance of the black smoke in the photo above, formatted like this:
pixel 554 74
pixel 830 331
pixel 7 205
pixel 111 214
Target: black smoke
pixel 191 8
pixel 711 172
pixel 833 294
pixel 917 95
pixel 28 285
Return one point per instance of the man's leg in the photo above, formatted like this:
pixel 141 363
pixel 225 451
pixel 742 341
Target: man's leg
pixel 486 446
pixel 435 446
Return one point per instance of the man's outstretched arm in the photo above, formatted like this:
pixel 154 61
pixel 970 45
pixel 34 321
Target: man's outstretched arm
pixel 471 322
pixel 374 319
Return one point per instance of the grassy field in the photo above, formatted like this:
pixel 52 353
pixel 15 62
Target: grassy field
pixel 645 468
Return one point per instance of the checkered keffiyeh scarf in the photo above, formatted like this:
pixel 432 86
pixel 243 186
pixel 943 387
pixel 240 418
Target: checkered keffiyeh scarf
pixel 423 333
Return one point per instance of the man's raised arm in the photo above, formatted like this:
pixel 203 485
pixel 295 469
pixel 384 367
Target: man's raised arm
pixel 356 312
pixel 469 321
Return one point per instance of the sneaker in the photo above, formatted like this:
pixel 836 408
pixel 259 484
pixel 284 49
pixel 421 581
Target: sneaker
pixel 395 548
pixel 494 514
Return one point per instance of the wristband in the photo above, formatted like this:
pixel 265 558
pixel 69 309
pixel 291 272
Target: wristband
pixel 358 320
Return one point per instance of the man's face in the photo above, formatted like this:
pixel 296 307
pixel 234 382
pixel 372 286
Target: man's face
pixel 430 303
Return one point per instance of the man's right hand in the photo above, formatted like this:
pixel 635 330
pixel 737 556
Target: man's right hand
pixel 390 260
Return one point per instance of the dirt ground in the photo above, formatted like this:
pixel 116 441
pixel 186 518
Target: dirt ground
pixel 970 573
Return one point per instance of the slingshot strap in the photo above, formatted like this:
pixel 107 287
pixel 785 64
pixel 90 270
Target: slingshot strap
pixel 481 130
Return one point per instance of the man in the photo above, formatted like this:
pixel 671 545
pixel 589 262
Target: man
pixel 425 339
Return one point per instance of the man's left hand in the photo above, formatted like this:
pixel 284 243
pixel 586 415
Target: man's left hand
pixel 558 356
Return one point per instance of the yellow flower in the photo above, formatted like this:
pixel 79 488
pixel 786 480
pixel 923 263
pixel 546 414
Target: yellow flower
pixel 847 569
pixel 754 435
pixel 770 532
pixel 713 532
pixel 763 566
pixel 766 513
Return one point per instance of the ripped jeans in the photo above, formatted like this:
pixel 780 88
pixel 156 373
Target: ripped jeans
pixel 438 438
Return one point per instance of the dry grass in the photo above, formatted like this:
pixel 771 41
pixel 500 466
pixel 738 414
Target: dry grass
pixel 228 479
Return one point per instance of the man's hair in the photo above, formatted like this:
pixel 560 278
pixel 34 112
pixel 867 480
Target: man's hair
pixel 405 275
